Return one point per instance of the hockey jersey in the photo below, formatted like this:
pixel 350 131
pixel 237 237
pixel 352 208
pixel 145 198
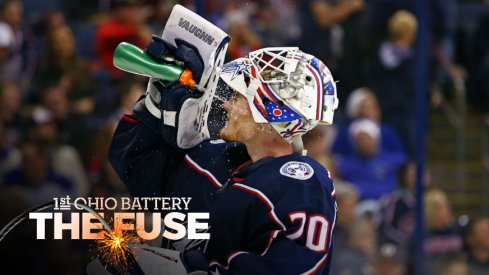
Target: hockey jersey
pixel 272 216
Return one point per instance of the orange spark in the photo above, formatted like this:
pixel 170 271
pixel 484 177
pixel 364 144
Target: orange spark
pixel 115 248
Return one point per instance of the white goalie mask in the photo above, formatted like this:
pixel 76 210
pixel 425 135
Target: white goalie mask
pixel 291 90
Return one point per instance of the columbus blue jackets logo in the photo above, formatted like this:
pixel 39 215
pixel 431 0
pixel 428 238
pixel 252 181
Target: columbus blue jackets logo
pixel 297 170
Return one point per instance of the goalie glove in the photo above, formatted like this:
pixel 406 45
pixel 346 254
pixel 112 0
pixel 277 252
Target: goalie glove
pixel 184 55
pixel 180 114
pixel 180 109
pixel 154 260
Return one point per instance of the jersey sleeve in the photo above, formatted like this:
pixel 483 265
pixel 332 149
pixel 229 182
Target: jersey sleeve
pixel 283 257
pixel 140 156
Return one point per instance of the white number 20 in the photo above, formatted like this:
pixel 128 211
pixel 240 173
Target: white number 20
pixel 317 230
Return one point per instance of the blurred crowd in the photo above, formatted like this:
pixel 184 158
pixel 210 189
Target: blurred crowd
pixel 61 97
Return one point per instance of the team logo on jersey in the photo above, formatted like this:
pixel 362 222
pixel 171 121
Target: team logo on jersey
pixel 297 170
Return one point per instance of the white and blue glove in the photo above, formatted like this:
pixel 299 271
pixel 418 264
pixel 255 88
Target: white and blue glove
pixel 180 109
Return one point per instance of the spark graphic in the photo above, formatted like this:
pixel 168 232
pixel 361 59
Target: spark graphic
pixel 116 248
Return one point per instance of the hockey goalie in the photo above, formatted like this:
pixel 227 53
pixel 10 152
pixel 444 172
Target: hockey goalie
pixel 271 208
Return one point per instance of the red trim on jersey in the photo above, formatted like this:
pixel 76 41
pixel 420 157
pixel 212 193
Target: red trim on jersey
pixel 130 119
pixel 239 167
pixel 273 235
pixel 333 226
pixel 229 259
pixel 236 179
pixel 203 172
pixel 301 227
pixel 333 193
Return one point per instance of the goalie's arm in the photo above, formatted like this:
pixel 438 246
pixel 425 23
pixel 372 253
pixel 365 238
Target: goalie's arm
pixel 149 144
pixel 146 146
pixel 140 156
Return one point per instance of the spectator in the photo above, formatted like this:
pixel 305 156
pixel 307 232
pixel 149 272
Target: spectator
pixel 10 112
pixel 349 45
pixel 394 62
pixel 73 128
pixel 389 261
pixel 283 15
pixel 50 20
pixel 23 55
pixel 9 156
pixel 7 64
pixel 64 159
pixel 451 265
pixel 129 92
pixel 396 223
pixel 126 24
pixel 244 40
pixel 60 66
pixel 107 182
pixel 347 200
pixel 39 183
pixel 81 11
pixel 316 19
pixel 370 168
pixel 359 256
pixel 100 171
pixel 477 244
pixel 362 103
pixel 443 234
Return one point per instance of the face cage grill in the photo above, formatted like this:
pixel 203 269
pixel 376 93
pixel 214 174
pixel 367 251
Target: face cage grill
pixel 275 65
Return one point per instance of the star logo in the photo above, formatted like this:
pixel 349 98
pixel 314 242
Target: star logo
pixel 238 68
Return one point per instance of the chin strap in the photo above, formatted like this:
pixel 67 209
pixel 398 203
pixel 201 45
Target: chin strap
pixel 298 145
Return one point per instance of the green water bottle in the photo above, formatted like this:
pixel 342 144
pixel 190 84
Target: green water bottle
pixel 132 59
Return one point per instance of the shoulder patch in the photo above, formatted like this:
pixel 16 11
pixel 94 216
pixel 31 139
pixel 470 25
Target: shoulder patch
pixel 217 141
pixel 297 170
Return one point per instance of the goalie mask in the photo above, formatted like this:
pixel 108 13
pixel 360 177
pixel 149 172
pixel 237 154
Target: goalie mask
pixel 291 90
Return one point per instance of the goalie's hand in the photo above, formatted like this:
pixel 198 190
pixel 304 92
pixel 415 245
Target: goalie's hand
pixel 184 52
pixel 179 110
pixel 177 106
pixel 155 260
pixel 164 52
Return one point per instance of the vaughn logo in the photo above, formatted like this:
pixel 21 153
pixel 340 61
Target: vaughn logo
pixel 198 32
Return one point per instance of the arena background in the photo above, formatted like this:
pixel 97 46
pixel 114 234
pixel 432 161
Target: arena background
pixel 418 69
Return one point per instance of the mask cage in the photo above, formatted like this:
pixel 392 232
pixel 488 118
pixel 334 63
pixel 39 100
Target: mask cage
pixel 274 65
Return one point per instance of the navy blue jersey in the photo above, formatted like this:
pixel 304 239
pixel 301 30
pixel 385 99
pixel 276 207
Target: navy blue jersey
pixel 272 216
